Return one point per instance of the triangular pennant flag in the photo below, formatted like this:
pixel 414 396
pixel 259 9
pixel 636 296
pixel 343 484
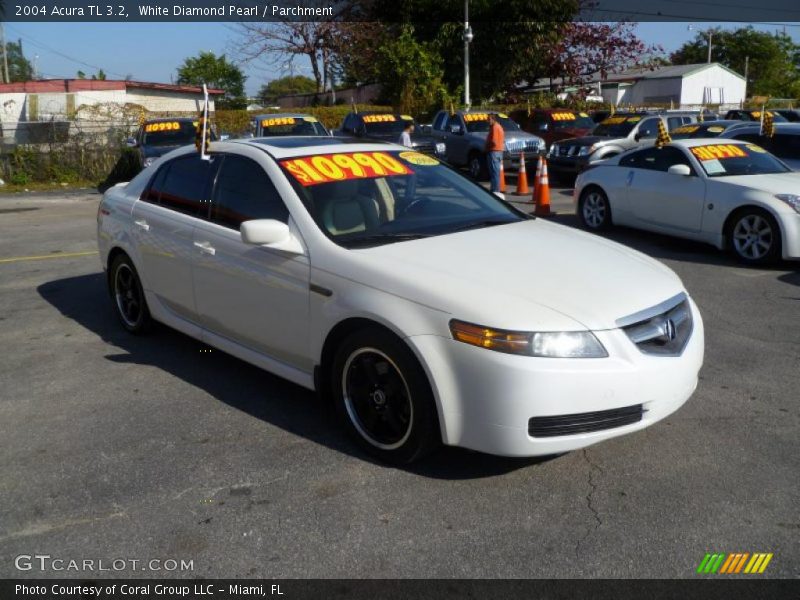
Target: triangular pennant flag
pixel 663 136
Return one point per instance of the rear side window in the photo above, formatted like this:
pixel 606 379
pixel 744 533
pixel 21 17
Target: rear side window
pixel 153 193
pixel 785 146
pixel 649 128
pixel 184 187
pixel 243 192
pixel 655 159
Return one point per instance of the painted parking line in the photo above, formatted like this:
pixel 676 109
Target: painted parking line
pixel 46 256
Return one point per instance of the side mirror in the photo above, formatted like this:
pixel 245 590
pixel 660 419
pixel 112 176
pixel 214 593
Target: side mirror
pixel 456 130
pixel 272 233
pixel 680 170
pixel 361 130
pixel 638 136
pixel 543 127
pixel 131 142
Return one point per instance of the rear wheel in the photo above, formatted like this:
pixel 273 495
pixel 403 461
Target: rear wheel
pixel 128 295
pixel 383 397
pixel 594 210
pixel 755 237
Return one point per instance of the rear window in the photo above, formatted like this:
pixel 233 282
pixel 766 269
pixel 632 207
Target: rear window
pixel 720 160
pixel 169 133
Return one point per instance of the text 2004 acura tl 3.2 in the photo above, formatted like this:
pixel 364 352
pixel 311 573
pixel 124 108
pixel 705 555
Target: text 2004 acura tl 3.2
pixel 426 308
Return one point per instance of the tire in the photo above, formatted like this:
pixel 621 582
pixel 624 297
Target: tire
pixel 477 167
pixel 594 210
pixel 127 296
pixel 383 397
pixel 755 237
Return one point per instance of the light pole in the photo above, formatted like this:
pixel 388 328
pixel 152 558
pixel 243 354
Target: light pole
pixel 467 39
pixel 709 33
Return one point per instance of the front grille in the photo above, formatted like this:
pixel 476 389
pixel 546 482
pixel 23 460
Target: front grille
pixel 567 150
pixel 426 148
pixel 522 146
pixel 665 333
pixel 584 422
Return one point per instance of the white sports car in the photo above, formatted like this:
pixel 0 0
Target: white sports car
pixel 424 307
pixel 732 194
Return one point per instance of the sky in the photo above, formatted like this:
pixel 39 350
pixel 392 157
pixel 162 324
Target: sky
pixel 154 51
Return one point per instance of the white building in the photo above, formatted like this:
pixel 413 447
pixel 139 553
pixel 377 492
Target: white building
pixel 30 110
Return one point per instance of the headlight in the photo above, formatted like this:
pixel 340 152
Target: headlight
pixel 553 149
pixel 441 148
pixel 587 150
pixel 792 200
pixel 549 344
pixel 148 161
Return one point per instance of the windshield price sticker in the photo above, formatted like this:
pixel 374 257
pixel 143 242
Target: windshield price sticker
pixel 563 116
pixel 718 152
pixel 755 148
pixel 379 119
pixel 716 129
pixel 614 121
pixel 687 129
pixel 326 168
pixel 476 117
pixel 407 117
pixel 310 119
pixel 277 121
pixel 166 126
pixel 757 114
pixel 583 114
pixel 417 158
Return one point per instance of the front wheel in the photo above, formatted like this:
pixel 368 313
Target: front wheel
pixel 383 397
pixel 594 210
pixel 755 237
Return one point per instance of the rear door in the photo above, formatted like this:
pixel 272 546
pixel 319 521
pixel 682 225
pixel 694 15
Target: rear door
pixel 164 220
pixel 253 295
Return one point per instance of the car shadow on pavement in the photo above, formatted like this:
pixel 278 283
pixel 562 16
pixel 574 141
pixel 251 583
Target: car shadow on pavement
pixel 668 247
pixel 84 300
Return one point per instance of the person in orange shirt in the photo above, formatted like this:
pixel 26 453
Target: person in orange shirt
pixel 495 143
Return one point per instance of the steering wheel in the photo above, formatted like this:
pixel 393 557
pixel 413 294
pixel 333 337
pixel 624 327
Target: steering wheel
pixel 417 202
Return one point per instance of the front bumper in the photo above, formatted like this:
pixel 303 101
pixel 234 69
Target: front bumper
pixel 511 161
pixel 791 235
pixel 486 399
pixel 568 164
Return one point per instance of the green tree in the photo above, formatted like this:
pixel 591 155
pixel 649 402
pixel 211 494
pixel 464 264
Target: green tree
pixel 19 67
pixel 774 59
pixel 216 72
pixel 283 86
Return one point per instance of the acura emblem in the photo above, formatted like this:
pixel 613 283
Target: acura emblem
pixel 669 329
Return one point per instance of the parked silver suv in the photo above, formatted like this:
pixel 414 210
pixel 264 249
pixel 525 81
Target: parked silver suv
pixel 464 133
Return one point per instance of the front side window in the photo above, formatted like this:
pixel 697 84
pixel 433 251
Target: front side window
pixel 440 121
pixel 244 191
pixel 655 159
pixel 648 129
pixel 361 199
pixel 185 186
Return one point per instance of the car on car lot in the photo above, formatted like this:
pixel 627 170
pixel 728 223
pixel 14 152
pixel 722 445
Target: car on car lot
pixel 732 194
pixel 784 143
pixel 790 114
pixel 156 137
pixel 752 115
pixel 704 129
pixel 464 133
pixel 404 292
pixel 553 124
pixel 287 124
pixel 387 127
pixel 610 138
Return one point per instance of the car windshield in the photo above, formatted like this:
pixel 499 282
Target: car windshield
pixel 616 126
pixel 362 199
pixel 571 120
pixel 386 124
pixel 169 133
pixel 479 122
pixel 722 160
pixel 755 115
pixel 708 130
pixel 279 126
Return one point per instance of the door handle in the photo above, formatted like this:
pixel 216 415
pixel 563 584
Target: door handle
pixel 206 248
pixel 143 224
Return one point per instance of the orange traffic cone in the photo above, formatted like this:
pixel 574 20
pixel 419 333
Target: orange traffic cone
pixel 543 200
pixel 522 180
pixel 502 178
pixel 537 181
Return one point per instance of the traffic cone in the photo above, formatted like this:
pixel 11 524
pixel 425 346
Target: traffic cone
pixel 502 178
pixel 543 199
pixel 537 181
pixel 522 180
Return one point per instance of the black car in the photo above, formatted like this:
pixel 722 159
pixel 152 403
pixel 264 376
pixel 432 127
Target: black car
pixel 753 115
pixel 790 114
pixel 387 127
pixel 156 137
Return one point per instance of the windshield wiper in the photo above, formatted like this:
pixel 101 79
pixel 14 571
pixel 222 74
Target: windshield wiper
pixel 480 224
pixel 386 238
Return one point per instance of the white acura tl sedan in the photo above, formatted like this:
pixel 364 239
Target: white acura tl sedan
pixel 729 193
pixel 428 310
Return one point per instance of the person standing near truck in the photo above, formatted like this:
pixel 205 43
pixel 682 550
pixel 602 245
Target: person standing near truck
pixel 405 137
pixel 495 143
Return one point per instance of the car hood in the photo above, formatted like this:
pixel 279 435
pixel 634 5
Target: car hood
pixel 156 151
pixel 589 140
pixel 776 183
pixel 531 275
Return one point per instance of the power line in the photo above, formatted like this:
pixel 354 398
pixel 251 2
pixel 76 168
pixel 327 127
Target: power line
pixel 665 16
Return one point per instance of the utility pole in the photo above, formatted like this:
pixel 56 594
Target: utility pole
pixel 746 69
pixel 467 39
pixel 710 34
pixel 6 78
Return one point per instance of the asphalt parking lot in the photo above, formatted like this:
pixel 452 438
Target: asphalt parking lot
pixel 113 446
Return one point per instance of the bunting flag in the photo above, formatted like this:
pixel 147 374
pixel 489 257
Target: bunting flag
pixel 611 114
pixel 663 136
pixel 353 104
pixel 529 107
pixel 767 124
pixel 700 115
pixel 761 120
pixel 202 137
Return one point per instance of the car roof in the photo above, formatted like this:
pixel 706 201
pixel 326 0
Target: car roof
pixel 288 146
pixel 792 128
pixel 283 115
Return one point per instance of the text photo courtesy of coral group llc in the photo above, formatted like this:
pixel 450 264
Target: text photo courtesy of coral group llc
pixel 365 299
